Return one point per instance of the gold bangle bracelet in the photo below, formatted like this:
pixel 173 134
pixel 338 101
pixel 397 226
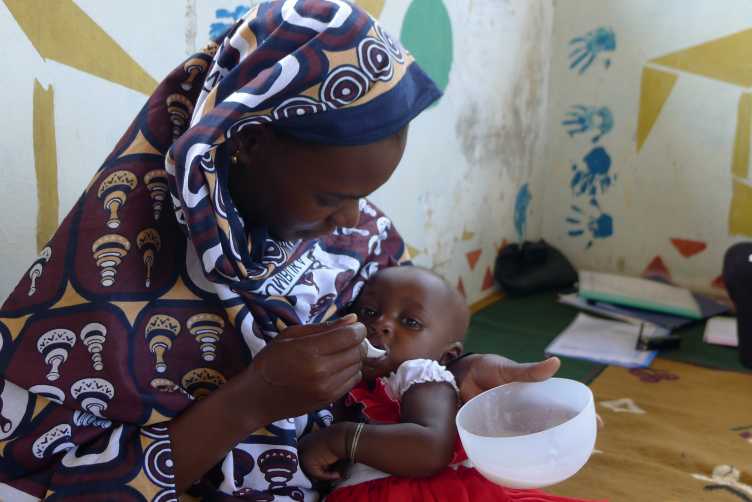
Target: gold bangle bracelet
pixel 355 439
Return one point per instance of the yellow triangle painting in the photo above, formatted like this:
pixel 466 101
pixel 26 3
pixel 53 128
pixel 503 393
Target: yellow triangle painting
pixel 655 88
pixel 740 214
pixel 721 59
pixel 374 7
pixel 740 162
pixel 45 162
pixel 66 34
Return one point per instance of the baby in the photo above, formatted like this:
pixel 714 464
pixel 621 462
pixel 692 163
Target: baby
pixel 397 426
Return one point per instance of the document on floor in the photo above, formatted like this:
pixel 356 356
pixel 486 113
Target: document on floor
pixel 721 331
pixel 604 341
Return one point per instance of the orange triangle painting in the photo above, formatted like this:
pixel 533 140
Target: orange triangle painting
pixel 718 282
pixel 688 248
pixel 472 258
pixel 657 268
pixel 461 287
pixel 488 280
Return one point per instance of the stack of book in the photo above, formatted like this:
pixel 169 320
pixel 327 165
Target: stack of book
pixel 646 312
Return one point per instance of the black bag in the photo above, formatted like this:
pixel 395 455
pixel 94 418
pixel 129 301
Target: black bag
pixel 532 268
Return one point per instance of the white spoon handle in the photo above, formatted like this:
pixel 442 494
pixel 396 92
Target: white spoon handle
pixel 372 352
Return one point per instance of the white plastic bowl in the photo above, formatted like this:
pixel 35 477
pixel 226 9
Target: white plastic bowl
pixel 529 435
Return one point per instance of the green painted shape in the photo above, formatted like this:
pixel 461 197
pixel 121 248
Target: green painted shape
pixel 427 34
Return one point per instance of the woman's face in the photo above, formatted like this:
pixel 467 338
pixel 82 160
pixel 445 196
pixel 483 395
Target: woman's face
pixel 302 191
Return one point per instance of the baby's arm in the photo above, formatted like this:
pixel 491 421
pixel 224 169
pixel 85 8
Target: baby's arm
pixel 421 445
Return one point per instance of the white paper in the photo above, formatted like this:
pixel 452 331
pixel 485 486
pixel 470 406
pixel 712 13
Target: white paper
pixel 603 341
pixel 721 331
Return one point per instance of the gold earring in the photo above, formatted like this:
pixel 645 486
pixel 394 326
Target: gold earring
pixel 234 159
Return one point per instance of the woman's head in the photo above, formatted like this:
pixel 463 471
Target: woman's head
pixel 302 190
pixel 412 313
pixel 323 72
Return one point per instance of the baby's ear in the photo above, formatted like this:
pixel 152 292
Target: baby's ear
pixel 451 352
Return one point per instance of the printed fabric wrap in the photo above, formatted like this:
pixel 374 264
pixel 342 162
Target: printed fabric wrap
pixel 153 292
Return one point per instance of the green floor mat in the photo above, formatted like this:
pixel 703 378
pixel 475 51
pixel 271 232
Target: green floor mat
pixel 693 350
pixel 521 328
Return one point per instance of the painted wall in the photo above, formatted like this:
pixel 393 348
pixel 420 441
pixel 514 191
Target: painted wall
pixel 82 69
pixel 647 164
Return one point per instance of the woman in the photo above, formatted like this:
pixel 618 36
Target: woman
pixel 146 354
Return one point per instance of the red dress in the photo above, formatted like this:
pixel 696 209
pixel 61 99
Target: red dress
pixel 456 483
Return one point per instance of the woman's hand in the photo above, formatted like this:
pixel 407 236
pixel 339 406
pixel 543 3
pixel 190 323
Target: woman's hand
pixel 305 368
pixel 477 373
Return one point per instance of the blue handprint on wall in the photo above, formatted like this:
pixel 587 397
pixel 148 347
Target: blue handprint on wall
pixel 521 204
pixel 587 47
pixel 581 119
pixel 593 221
pixel 595 177
pixel 225 19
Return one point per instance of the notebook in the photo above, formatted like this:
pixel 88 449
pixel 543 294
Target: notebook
pixel 604 341
pixel 639 293
pixel 626 314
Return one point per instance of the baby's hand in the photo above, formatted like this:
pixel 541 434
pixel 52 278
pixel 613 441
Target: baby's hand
pixel 320 451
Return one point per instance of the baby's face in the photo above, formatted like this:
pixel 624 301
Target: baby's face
pixel 407 312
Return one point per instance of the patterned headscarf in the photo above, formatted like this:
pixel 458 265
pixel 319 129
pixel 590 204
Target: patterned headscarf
pixel 130 313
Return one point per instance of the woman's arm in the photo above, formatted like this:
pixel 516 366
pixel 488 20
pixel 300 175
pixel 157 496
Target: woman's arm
pixel 421 445
pixel 327 365
pixel 203 434
pixel 50 447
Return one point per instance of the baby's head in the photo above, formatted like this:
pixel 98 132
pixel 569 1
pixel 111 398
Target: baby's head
pixel 412 313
